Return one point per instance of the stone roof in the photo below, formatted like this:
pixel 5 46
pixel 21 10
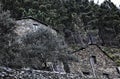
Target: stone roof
pixel 39 21
pixel 29 25
pixel 83 48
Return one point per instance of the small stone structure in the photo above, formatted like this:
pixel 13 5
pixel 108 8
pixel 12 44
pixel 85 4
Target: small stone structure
pixel 30 25
pixel 94 62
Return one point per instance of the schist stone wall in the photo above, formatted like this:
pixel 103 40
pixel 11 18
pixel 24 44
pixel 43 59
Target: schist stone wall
pixel 26 73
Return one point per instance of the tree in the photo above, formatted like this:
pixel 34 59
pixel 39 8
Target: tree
pixel 6 23
pixel 6 28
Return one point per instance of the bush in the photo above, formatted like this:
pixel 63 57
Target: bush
pixel 36 49
pixel 44 44
pixel 6 23
pixel 6 28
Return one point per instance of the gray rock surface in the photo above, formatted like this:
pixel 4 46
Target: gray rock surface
pixel 25 73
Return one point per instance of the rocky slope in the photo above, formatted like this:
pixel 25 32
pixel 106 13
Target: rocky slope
pixel 27 73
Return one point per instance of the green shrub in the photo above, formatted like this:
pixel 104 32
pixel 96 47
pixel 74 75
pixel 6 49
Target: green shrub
pixel 6 28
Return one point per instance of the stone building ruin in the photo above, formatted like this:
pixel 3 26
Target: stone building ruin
pixel 93 62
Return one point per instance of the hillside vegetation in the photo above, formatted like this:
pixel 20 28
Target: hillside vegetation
pixel 80 22
pixel 72 17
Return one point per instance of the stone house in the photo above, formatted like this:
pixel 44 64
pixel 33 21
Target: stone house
pixel 30 25
pixel 94 62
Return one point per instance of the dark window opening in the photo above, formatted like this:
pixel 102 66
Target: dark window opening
pixel 47 66
pixel 66 67
pixel 118 70
pixel 35 24
pixel 106 75
pixel 93 59
pixel 86 73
